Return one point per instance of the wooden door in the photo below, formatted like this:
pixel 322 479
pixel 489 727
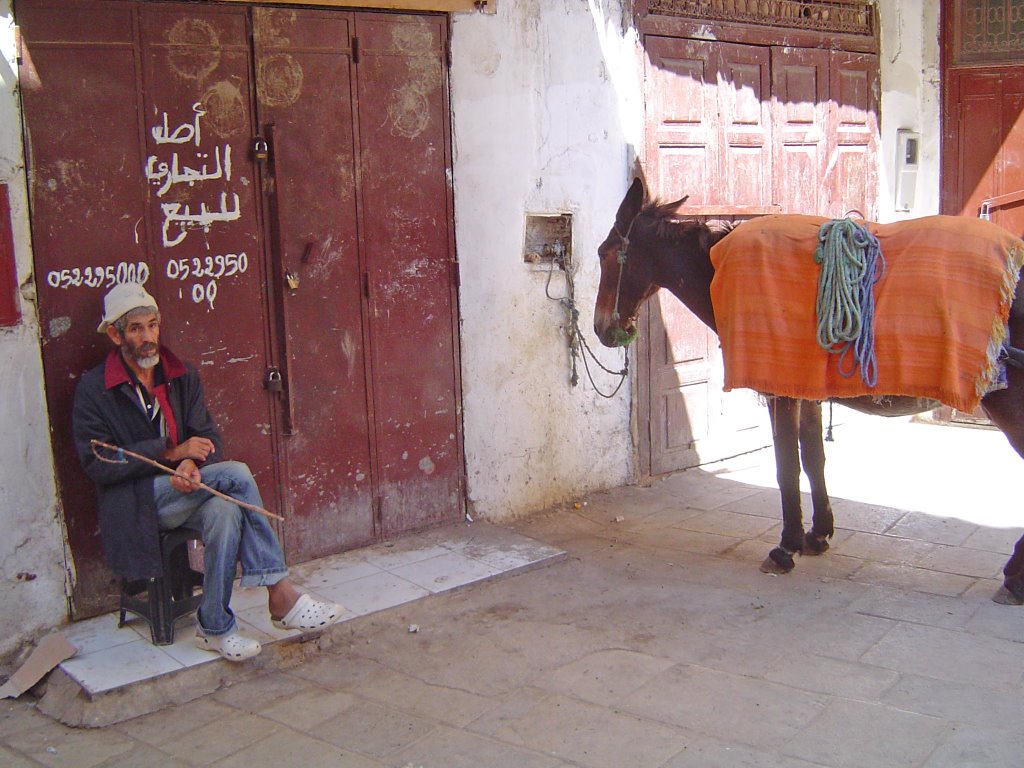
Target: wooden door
pixel 983 98
pixel 745 130
pixel 800 117
pixel 984 148
pixel 707 137
pixel 851 176
pixel 327 258
pixel 982 130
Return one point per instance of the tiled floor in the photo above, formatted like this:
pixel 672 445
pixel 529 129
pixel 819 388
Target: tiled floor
pixel 364 581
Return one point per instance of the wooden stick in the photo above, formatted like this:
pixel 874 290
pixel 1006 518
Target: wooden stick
pixel 176 473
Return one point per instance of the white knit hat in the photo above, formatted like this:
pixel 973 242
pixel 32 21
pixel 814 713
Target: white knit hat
pixel 123 298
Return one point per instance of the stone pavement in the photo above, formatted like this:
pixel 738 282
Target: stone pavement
pixel 657 642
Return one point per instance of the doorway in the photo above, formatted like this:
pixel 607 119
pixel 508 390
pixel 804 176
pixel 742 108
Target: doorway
pixel 280 179
pixel 745 128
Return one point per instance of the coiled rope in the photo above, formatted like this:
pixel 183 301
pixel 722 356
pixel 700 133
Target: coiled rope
pixel 851 263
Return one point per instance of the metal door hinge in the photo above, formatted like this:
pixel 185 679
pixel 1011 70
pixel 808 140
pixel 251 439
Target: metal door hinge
pixel 378 514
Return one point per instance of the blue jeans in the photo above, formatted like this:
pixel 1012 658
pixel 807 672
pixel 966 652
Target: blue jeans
pixel 231 534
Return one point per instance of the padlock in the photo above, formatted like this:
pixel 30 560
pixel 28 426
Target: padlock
pixel 292 279
pixel 273 381
pixel 260 150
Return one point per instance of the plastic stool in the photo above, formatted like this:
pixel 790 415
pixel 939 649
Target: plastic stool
pixel 169 597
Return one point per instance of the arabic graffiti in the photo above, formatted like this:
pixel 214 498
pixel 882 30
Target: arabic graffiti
pixel 188 220
pixel 178 218
pixel 190 163
pixel 184 133
pixel 170 174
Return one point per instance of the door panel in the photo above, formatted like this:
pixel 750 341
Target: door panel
pixel 203 222
pixel 410 270
pixel 983 123
pixel 853 100
pixel 746 149
pixel 679 373
pixel 800 111
pixel 83 232
pixel 303 66
pixel 681 95
pixel 685 152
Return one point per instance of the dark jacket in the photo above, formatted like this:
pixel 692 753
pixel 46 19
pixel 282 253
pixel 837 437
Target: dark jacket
pixel 107 408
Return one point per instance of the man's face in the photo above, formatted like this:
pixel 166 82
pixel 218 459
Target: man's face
pixel 140 341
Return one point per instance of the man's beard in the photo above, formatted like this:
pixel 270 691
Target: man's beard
pixel 144 355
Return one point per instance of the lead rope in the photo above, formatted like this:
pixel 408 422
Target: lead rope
pixel 576 337
pixel 851 263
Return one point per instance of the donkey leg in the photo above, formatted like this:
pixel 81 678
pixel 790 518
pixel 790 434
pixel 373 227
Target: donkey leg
pixel 1012 591
pixel 785 418
pixel 1005 408
pixel 812 457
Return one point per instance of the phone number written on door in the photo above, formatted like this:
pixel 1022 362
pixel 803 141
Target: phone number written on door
pixel 212 267
pixel 98 277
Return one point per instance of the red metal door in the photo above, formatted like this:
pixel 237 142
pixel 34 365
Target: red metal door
pixel 203 226
pixel 407 245
pixel 141 118
pixel 303 73
pixel 139 170
pixel 983 98
pixel 82 236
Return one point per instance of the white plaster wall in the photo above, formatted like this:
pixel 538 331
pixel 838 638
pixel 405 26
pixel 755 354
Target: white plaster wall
pixel 32 562
pixel 546 110
pixel 909 69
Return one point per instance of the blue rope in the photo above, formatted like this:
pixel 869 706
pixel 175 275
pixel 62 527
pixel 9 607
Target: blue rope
pixel 851 263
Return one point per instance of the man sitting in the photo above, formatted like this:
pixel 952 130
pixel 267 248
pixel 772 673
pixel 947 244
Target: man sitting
pixel 143 399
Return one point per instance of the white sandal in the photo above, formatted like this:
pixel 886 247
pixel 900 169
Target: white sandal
pixel 232 646
pixel 308 614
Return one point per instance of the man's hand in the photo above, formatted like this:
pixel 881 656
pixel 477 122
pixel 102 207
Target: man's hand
pixel 189 468
pixel 195 448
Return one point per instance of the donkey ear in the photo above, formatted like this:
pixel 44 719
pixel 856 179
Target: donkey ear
pixel 631 204
pixel 678 202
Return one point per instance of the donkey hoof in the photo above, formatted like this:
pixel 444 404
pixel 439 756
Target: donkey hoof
pixel 1003 596
pixel 814 544
pixel 1011 592
pixel 778 561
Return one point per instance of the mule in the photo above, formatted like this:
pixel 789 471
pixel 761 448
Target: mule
pixel 647 249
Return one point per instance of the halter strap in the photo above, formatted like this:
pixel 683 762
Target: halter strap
pixel 622 262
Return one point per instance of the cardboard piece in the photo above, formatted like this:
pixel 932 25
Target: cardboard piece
pixel 51 651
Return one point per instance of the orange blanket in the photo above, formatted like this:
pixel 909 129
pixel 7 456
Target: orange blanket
pixel 941 308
